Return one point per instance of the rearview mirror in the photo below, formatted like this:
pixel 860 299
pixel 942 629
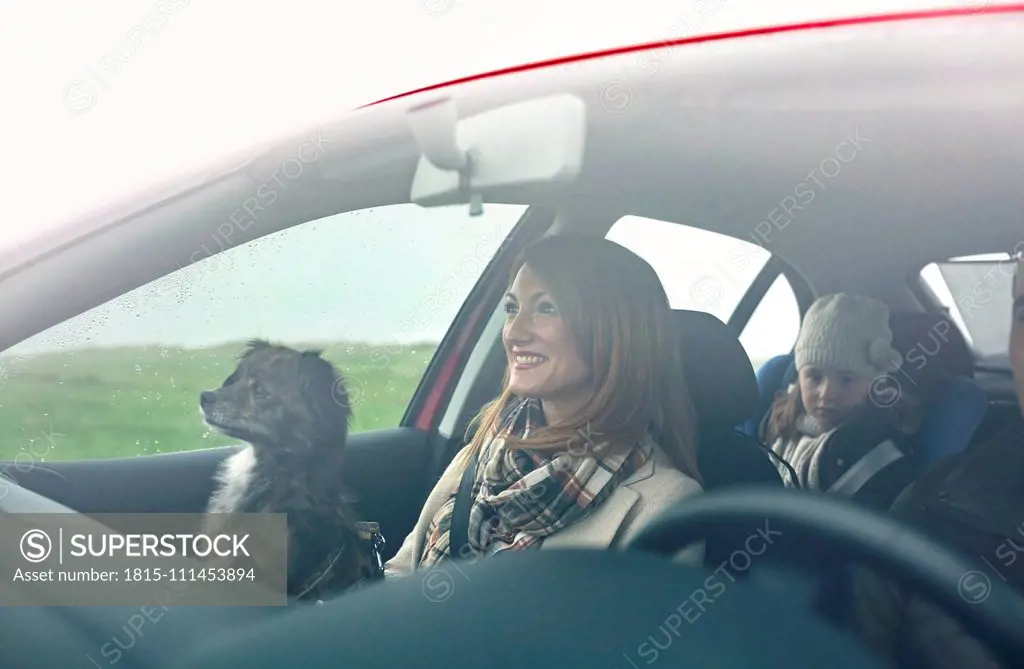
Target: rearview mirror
pixel 518 151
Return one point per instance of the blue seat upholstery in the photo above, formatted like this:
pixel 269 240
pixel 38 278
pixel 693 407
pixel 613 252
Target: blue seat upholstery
pixel 771 377
pixel 952 420
pixel 956 410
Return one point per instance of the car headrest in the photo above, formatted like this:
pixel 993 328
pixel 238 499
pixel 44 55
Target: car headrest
pixel 931 344
pixel 718 370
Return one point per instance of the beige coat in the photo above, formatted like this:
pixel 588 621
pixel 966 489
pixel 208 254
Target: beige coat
pixel 653 488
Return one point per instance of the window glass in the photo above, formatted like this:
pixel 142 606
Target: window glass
pixel 701 270
pixel 977 293
pixel 374 289
pixel 710 272
pixel 773 327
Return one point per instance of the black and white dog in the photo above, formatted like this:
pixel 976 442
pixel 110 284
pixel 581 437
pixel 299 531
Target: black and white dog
pixel 292 408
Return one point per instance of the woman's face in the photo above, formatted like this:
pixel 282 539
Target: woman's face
pixel 831 395
pixel 542 357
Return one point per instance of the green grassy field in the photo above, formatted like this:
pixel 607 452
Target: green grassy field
pixel 122 402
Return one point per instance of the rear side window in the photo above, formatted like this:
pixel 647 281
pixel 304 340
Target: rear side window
pixel 710 272
pixel 977 293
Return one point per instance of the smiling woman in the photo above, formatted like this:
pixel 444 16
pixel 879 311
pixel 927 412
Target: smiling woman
pixel 590 353
pixel 588 333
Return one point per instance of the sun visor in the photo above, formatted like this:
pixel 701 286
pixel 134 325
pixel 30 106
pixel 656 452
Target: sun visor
pixel 516 151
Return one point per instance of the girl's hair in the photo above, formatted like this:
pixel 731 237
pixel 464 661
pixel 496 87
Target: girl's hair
pixel 619 317
pixel 785 412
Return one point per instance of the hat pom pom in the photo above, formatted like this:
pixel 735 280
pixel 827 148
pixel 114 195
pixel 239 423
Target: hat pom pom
pixel 883 356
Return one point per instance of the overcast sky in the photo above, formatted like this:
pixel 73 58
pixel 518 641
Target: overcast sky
pixel 177 80
pixel 100 98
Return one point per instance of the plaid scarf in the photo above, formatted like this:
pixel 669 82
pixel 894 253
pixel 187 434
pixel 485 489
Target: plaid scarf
pixel 521 496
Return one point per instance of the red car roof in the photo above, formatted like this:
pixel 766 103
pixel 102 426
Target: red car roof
pixel 767 30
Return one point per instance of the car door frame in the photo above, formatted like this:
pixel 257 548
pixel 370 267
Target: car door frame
pixel 760 286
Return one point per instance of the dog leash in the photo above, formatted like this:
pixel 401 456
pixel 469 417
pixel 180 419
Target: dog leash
pixel 368 532
pixel 318 575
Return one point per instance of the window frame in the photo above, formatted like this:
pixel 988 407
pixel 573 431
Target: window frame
pixel 773 269
pixel 760 286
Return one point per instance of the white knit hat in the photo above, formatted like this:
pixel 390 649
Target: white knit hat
pixel 849 332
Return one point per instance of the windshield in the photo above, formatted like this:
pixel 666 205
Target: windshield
pixel 977 291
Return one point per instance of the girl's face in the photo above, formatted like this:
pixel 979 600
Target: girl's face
pixel 831 395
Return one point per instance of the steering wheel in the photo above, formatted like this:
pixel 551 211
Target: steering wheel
pixel 890 547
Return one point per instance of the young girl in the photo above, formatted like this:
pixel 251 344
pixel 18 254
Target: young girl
pixel 844 427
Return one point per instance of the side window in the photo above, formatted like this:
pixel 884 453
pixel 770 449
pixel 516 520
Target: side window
pixel 977 293
pixel 774 325
pixel 711 272
pixel 374 289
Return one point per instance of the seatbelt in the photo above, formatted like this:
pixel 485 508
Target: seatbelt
pixel 874 461
pixel 458 533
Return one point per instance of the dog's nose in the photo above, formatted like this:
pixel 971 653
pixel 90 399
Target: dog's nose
pixel 206 397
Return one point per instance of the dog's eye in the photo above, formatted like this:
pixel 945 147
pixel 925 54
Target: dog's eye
pixel 259 391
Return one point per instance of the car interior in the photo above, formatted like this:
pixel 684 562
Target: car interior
pixel 862 157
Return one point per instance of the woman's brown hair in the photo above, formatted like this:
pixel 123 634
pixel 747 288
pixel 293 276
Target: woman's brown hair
pixel 620 319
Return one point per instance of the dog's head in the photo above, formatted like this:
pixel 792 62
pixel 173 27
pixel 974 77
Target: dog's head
pixel 282 398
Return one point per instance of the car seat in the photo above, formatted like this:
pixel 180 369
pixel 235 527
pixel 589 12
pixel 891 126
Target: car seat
pixel 774 375
pixel 724 391
pixel 934 351
pixel 931 345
